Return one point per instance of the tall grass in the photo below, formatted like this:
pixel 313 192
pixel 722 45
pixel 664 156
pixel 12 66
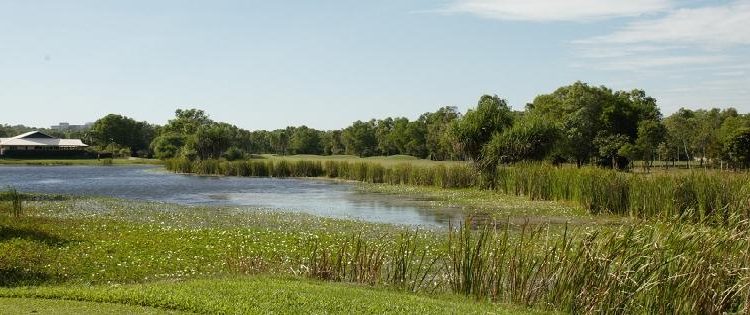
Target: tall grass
pixel 654 268
pixel 700 196
pixel 403 263
pixel 459 176
pixel 16 201
pixel 664 268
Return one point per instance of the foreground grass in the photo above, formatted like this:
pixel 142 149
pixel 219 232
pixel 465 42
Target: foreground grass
pixel 258 294
pixel 192 259
pixel 63 248
pixel 67 307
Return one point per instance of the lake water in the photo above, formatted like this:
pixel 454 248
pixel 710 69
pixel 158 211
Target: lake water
pixel 313 196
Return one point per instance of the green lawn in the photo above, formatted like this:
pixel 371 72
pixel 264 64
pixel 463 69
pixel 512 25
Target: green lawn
pixel 244 295
pixel 67 307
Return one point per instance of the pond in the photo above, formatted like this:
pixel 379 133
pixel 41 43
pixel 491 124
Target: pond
pixel 314 196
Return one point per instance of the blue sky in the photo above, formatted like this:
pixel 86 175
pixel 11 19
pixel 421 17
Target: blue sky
pixel 269 64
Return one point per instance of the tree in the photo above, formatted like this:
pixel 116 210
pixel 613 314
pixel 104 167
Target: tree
pixel 305 141
pixel 492 115
pixel 359 139
pixel 414 142
pixel 123 132
pixel 577 110
pixel 587 115
pixel 332 143
pixel 681 128
pixel 211 140
pixel 437 139
pixel 167 145
pixel 651 134
pixel 279 141
pixel 530 139
pixel 187 121
pixel 610 147
pixel 738 148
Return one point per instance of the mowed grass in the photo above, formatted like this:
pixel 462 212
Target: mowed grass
pixel 68 307
pixel 250 295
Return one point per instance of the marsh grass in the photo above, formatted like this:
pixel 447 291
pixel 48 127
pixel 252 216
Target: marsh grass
pixel 718 198
pixel 444 176
pixel 404 262
pixel 106 162
pixel 15 199
pixel 659 268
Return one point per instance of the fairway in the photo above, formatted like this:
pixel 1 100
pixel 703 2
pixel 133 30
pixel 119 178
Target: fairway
pixel 45 306
pixel 238 295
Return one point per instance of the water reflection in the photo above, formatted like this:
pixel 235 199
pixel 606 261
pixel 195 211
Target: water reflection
pixel 318 197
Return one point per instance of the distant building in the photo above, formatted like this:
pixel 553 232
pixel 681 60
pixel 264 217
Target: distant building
pixel 63 126
pixel 38 144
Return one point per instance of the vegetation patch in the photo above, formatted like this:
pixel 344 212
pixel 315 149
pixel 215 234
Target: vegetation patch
pixel 126 250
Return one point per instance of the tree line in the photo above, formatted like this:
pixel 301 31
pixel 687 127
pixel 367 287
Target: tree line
pixel 578 123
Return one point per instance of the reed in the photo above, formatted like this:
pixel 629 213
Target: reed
pixel 15 199
pixel 633 269
pixel 370 172
pixel 401 263
pixel 700 196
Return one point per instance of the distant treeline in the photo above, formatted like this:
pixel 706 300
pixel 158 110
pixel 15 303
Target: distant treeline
pixel 579 124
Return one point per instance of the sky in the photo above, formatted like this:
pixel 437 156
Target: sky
pixel 325 64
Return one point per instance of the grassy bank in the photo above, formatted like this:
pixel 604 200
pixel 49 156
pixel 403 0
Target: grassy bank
pixel 129 251
pixel 93 162
pixel 701 196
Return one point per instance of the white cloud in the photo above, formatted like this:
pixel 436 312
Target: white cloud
pixel 651 62
pixel 699 38
pixel 730 73
pixel 558 10
pixel 710 27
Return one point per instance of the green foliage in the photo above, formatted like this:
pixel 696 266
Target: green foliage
pixel 359 139
pixel 585 113
pixel 233 154
pixel 167 145
pixel 305 141
pixel 737 148
pixel 211 140
pixel 530 139
pixel 479 125
pixel 612 147
pixel 187 121
pixel 123 132
pixel 651 133
pixel 438 142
